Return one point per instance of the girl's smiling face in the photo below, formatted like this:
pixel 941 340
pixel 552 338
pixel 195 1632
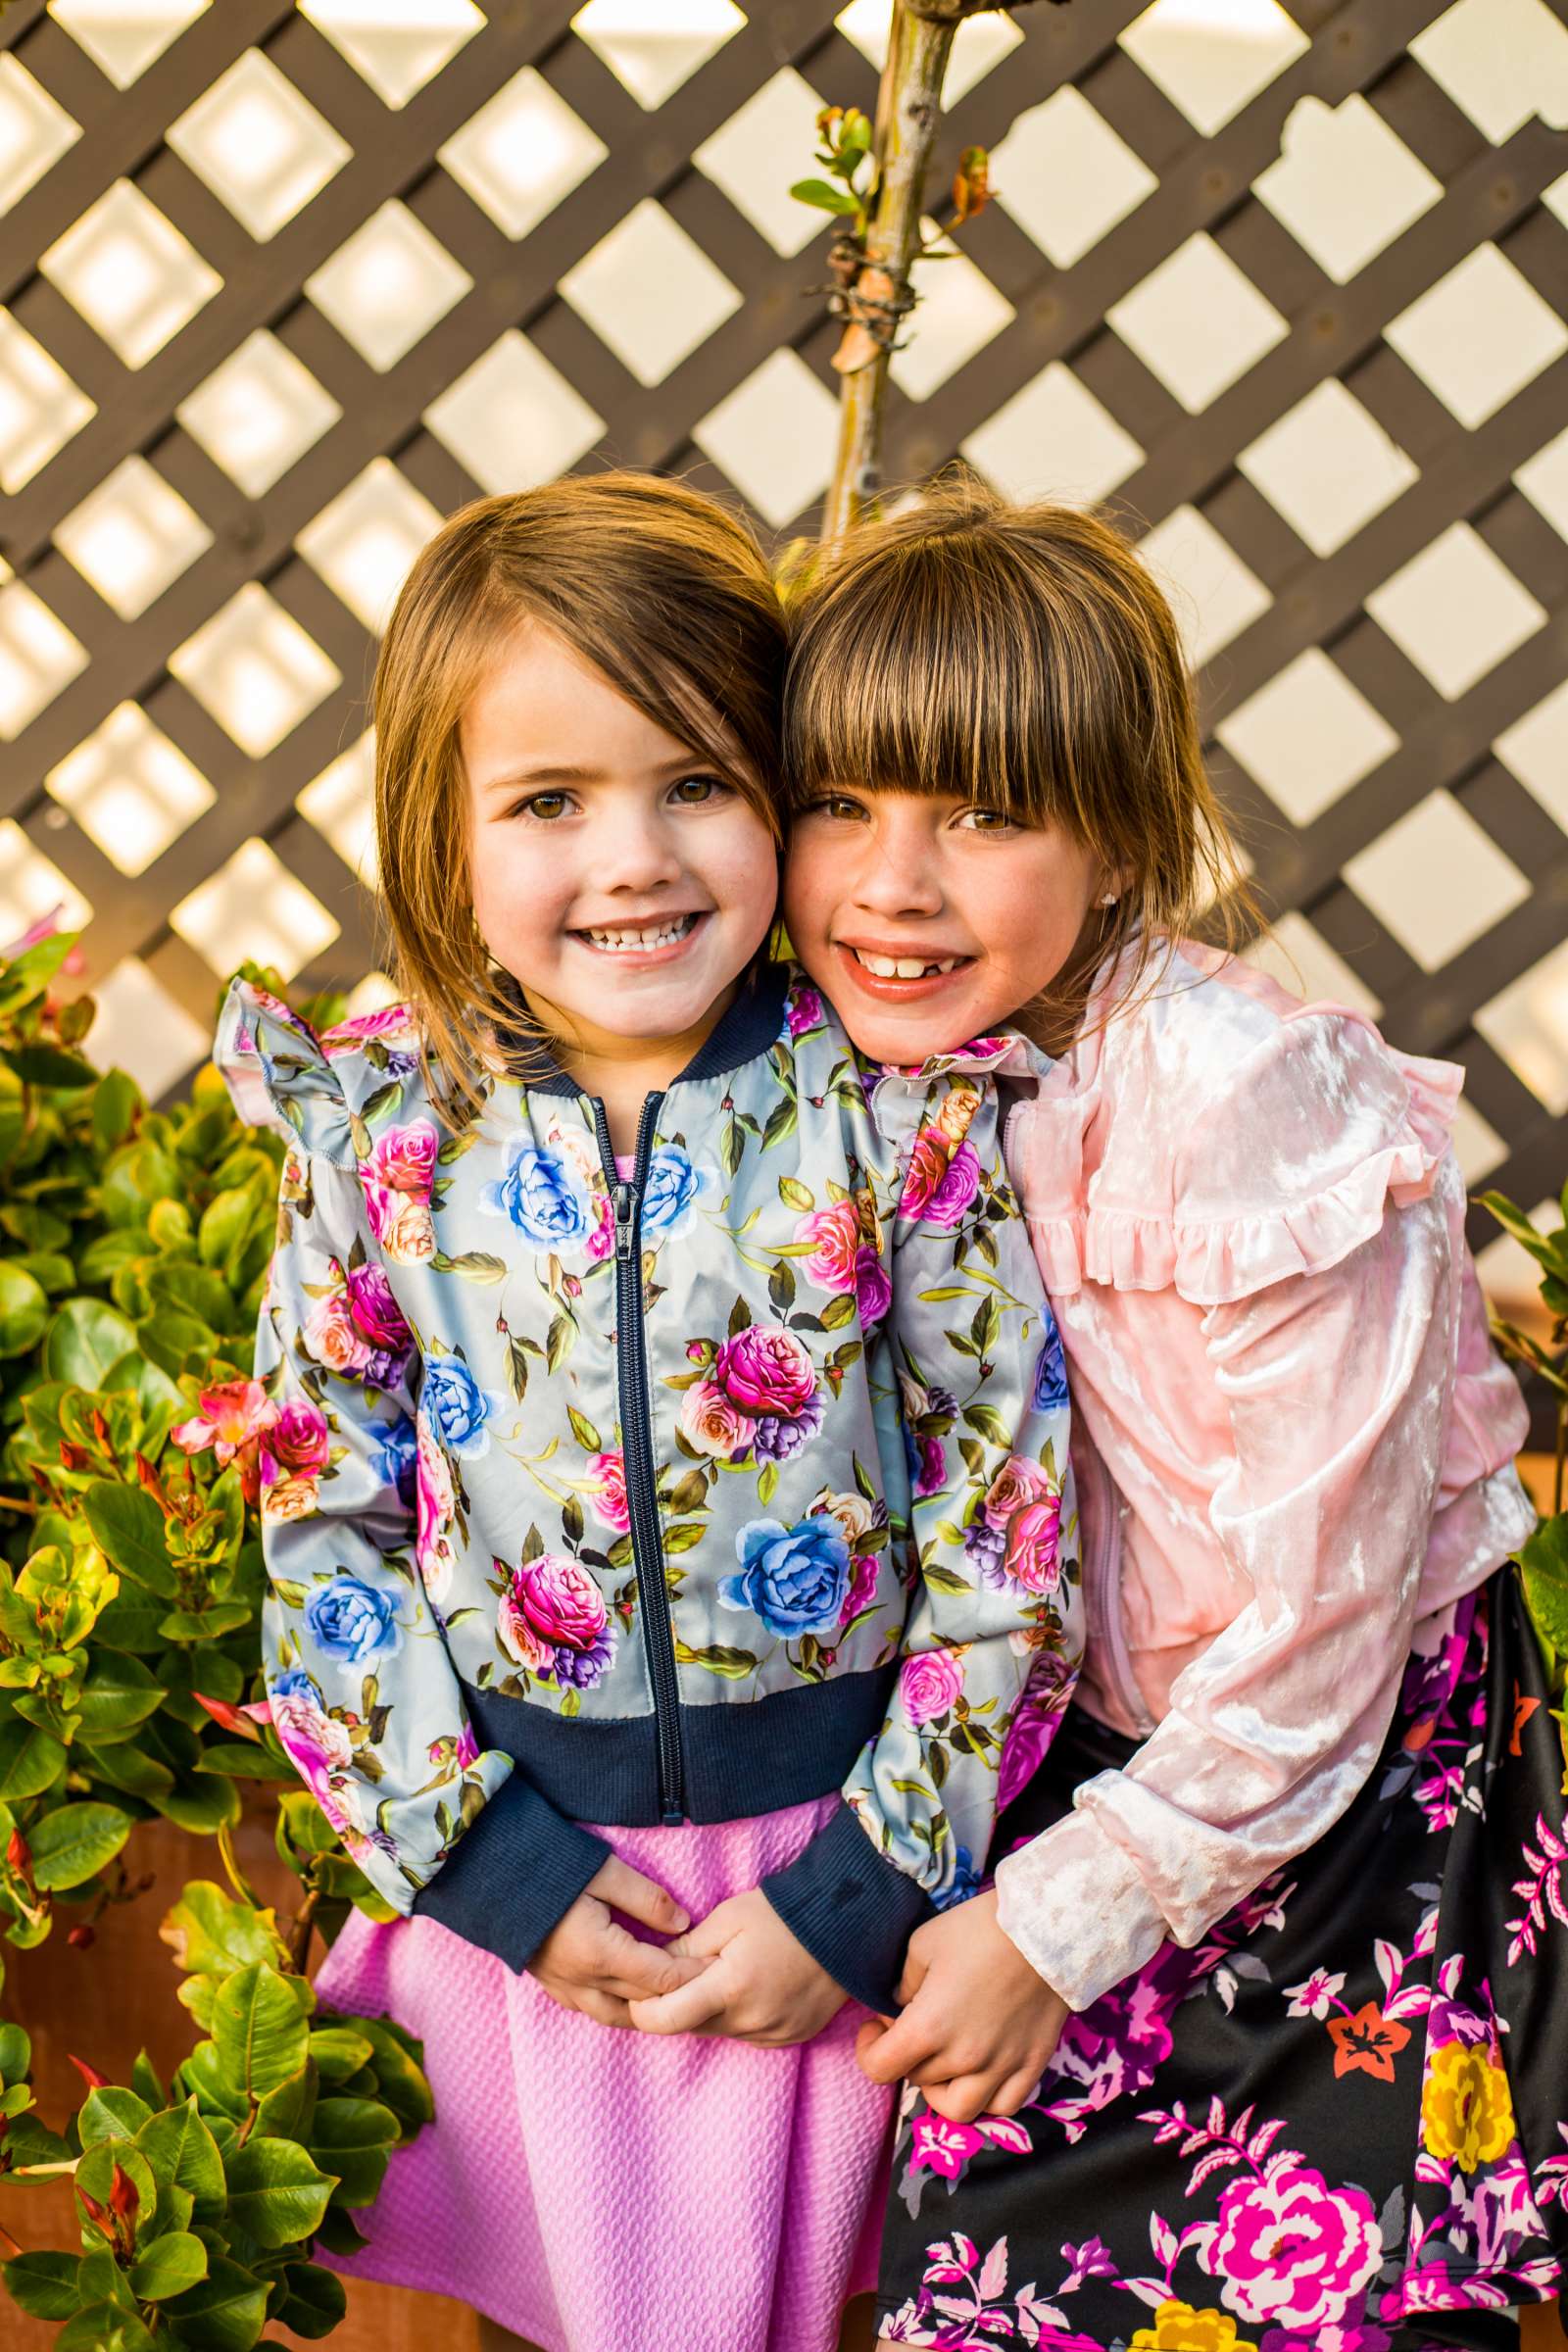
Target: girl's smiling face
pixel 622 881
pixel 928 921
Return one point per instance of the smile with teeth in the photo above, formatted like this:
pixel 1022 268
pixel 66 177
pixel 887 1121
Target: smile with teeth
pixel 904 967
pixel 630 938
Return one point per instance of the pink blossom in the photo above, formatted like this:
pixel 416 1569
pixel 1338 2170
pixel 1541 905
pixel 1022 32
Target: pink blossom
pixel 764 1369
pixel 1292 2249
pixel 376 1311
pixel 346 1037
pixel 1316 1995
pixel 601 1243
pixel 873 1293
pixel 330 1336
pixel 1016 1482
pixel 1031 1557
pixel 929 1683
pixel 298 1439
pixel 1033 1726
pixel 863 1574
pixel 713 1425
pixel 608 1473
pixel 228 1417
pixel 937 2146
pixel 805 1012
pixel 466 1751
pixel 435 1507
pixel 560 1599
pixel 835 1236
pixel 403 1159
pixel 938 1187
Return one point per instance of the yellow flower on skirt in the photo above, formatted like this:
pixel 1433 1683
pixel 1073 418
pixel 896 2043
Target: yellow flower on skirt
pixel 1178 2328
pixel 1466 2110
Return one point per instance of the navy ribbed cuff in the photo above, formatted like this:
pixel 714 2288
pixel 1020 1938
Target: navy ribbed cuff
pixel 854 1910
pixel 516 1871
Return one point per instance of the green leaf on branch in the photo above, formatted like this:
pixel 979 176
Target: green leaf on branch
pixel 168 2266
pixel 111 2112
pixel 352 2137
pixel 183 2155
pixel 74 1843
pixel 30 1761
pixel 315 2300
pixel 84 1339
pixel 43 2286
pixel 117 1698
pixel 277 2191
pixel 258 2030
pixel 225 2312
pixel 210 1933
pixel 824 196
pixel 128 1527
pixel 1543 1566
pixel 23 1311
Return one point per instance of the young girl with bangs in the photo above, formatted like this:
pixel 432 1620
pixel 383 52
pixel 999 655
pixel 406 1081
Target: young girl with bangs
pixel 1275 1946
pixel 665 1485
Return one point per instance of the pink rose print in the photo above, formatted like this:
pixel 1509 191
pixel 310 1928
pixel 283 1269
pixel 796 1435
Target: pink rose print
pixel 862 1586
pixel 713 1425
pixel 873 1293
pixel 403 1159
pixel 939 2146
pixel 764 1369
pixel 376 1311
pixel 1034 1724
pixel 601 1243
pixel 805 1012
pixel 1016 1482
pixel 297 1440
pixel 346 1037
pixel 608 1473
pixel 1031 1557
pixel 1292 2249
pixel 554 1620
pixel 835 1236
pixel 435 1507
pixel 937 1187
pixel 330 1336
pixel 929 1683
pixel 467 1748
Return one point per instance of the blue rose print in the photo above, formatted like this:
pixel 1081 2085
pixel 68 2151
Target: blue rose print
pixel 671 1187
pixel 395 1463
pixel 456 1408
pixel 543 1196
pixel 1050 1372
pixel 793 1577
pixel 965 1881
pixel 353 1621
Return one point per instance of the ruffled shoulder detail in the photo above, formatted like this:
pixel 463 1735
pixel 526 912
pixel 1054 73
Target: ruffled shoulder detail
pixel 314 1088
pixel 1267 1142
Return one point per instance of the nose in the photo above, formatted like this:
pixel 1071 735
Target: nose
pixel 897 871
pixel 635 852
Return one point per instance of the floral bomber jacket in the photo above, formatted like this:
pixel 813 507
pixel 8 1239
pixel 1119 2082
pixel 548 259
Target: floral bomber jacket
pixel 683 1494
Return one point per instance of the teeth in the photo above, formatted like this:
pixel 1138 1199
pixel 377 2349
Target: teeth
pixel 902 967
pixel 646 935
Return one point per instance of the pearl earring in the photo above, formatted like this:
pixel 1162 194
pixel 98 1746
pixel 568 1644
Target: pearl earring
pixel 1109 899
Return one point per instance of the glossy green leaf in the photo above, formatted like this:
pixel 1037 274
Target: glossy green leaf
pixel 74 1841
pixel 168 2266
pixel 84 1339
pixel 225 2312
pixel 23 1311
pixel 30 1761
pixel 182 2150
pixel 352 2137
pixel 277 2191
pixel 43 2286
pixel 128 1528
pixel 261 2034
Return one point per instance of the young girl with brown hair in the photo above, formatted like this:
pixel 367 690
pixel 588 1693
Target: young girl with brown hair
pixel 1256 2044
pixel 664 1491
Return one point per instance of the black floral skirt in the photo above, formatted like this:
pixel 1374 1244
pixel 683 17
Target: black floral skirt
pixel 1338 2124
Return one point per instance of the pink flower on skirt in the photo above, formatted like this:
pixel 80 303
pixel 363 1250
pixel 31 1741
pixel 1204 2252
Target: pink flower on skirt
pixel 939 2146
pixel 1289 2248
pixel 929 1683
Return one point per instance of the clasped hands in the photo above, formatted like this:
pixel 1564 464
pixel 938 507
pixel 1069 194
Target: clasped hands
pixel 975 2033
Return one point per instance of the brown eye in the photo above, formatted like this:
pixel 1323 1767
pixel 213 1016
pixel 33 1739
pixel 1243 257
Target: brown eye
pixel 544 805
pixel 698 791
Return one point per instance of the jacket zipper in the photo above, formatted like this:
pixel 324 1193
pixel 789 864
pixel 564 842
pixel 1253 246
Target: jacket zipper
pixel 637 1453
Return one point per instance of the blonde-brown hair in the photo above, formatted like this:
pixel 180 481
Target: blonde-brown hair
pixel 1022 657
pixel 663 590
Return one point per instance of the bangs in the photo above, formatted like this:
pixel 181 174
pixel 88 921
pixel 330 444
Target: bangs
pixel 925 667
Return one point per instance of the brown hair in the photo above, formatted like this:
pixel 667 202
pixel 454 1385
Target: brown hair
pixel 661 588
pixel 1024 655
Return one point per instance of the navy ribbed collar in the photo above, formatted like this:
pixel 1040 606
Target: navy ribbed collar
pixel 746 1029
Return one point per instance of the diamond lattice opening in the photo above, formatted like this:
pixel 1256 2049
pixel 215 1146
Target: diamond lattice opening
pixel 397 46
pixel 252 909
pixel 132 536
pixel 650 293
pixel 512 420
pixel 259 146
pixel 1212 57
pixel 39 657
pixel 522 153
pixel 1479 335
pixel 131 273
pixel 363 543
pixel 35 131
pixel 259 413
pixel 254 670
pixel 40 407
pixel 1345 184
pixel 124 40
pixel 1198 323
pixel 388 285
pixel 1436 880
pixel 1308 736
pixel 774 436
pixel 652 51
pixel 130 789
pixel 1054 439
pixel 1328 466
pixel 1456 610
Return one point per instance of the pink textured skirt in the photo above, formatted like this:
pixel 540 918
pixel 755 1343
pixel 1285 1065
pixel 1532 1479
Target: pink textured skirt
pixel 595 2191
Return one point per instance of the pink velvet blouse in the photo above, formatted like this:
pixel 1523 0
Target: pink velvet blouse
pixel 1293 1439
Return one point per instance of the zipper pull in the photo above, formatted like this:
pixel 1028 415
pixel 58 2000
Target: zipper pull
pixel 624 1197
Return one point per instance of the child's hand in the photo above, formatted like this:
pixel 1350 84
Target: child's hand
pixel 590 1962
pixel 758 1983
pixel 979 2026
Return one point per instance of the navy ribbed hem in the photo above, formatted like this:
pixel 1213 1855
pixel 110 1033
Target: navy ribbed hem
pixel 516 1871
pixel 852 1908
